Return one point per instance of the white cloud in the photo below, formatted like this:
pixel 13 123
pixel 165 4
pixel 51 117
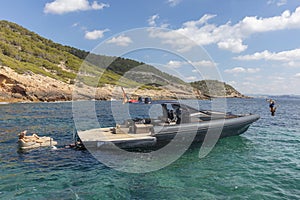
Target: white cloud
pixel 173 3
pixel 97 6
pixel 66 6
pixel 252 70
pixel 120 40
pixel 237 70
pixel 277 2
pixel 233 45
pixel 233 83
pixel 94 35
pixel 285 56
pixel 174 64
pixel 227 36
pixel 267 84
pixel 75 24
pixel 202 63
pixel 281 2
pixel 297 75
pixel 293 63
pixel 152 20
pixel 277 78
pixel 191 78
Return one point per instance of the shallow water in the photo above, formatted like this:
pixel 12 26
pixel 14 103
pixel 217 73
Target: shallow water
pixel 263 163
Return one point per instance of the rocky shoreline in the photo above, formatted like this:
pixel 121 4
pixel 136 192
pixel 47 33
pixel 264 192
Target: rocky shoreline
pixel 30 87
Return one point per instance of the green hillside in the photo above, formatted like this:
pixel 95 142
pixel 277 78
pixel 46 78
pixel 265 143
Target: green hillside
pixel 212 88
pixel 134 70
pixel 26 52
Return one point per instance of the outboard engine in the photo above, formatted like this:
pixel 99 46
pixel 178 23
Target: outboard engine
pixel 147 100
pixel 141 99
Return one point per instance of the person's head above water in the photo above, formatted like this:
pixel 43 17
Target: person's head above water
pixel 22 134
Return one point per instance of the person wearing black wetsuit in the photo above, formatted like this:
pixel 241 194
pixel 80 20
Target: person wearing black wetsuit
pixel 272 106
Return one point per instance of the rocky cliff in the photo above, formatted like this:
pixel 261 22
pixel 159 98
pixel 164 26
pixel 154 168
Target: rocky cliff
pixel 16 87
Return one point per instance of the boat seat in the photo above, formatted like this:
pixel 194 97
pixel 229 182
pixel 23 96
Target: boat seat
pixel 142 128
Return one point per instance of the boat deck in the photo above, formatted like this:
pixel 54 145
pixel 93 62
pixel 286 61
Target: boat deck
pixel 107 137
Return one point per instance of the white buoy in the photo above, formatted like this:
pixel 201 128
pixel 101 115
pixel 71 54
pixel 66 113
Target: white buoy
pixel 54 147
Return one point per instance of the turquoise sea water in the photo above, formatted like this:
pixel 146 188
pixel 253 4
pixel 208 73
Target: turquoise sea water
pixel 263 163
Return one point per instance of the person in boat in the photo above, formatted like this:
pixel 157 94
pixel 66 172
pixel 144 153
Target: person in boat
pixel 33 138
pixel 177 113
pixel 22 137
pixel 272 106
pixel 165 113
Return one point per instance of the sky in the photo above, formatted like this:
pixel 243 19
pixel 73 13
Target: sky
pixel 253 44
